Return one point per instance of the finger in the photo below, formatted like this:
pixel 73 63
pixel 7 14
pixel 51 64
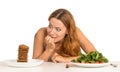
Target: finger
pixel 52 39
pixel 49 41
pixel 48 38
pixel 53 59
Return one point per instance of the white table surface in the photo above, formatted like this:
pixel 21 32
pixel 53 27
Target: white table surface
pixel 107 68
pixel 58 67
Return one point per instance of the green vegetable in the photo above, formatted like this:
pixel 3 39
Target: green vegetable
pixel 92 57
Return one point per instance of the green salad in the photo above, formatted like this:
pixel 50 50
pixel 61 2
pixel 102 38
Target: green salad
pixel 92 57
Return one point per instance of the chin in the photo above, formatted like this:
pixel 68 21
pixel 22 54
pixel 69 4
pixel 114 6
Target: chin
pixel 57 41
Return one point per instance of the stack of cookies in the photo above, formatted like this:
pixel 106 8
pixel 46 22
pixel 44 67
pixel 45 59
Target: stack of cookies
pixel 23 53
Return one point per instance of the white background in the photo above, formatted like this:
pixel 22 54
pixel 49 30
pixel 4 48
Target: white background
pixel 98 19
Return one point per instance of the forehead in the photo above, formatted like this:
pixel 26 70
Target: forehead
pixel 56 23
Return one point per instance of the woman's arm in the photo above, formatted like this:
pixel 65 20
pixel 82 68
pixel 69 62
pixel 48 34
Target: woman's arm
pixel 56 58
pixel 39 52
pixel 86 45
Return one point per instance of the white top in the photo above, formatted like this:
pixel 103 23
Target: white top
pixel 58 67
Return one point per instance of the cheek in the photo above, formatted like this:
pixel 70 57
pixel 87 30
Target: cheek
pixel 60 36
pixel 48 30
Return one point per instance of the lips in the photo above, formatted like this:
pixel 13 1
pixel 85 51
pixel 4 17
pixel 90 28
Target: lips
pixel 53 38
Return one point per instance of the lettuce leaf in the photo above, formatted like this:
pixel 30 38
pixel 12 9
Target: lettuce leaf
pixel 92 57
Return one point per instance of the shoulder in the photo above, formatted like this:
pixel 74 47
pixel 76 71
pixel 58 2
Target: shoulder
pixel 41 31
pixel 79 32
pixel 78 29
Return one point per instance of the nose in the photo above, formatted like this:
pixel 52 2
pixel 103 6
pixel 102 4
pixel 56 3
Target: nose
pixel 52 31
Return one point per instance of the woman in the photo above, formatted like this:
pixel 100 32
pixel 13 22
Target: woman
pixel 61 40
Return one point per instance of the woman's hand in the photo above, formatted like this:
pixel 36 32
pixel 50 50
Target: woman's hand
pixel 50 42
pixel 56 58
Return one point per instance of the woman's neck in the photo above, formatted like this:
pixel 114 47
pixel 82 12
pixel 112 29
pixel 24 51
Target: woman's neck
pixel 58 44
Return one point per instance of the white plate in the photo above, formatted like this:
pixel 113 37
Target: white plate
pixel 91 65
pixel 30 63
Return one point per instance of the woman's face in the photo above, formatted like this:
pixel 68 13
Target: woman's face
pixel 56 30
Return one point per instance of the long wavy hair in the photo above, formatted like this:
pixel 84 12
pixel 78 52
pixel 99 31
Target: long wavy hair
pixel 70 46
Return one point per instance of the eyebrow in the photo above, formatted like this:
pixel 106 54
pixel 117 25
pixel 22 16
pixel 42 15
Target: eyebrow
pixel 58 27
pixel 55 27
